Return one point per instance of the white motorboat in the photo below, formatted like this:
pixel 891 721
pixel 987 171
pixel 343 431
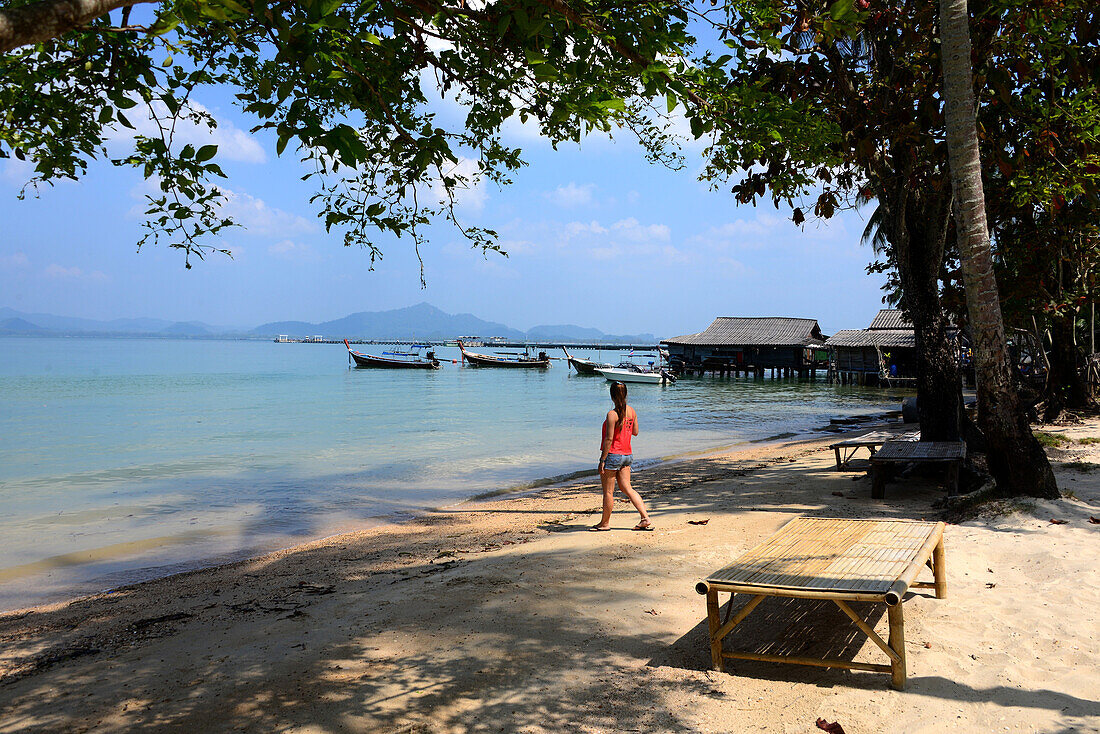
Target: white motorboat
pixel 637 374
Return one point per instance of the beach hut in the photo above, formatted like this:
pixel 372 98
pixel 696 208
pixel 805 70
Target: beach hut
pixel 885 353
pixel 751 345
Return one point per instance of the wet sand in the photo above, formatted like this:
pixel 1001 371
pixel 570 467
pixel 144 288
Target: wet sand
pixel 507 615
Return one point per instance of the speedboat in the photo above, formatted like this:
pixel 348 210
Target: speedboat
pixel 630 372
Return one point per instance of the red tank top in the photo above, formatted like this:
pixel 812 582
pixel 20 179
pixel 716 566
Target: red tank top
pixel 620 442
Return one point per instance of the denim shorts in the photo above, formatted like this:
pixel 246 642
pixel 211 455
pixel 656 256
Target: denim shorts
pixel 614 462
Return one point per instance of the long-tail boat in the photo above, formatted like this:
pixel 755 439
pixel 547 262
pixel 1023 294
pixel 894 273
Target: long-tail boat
pixel 397 360
pixel 583 366
pixel 542 361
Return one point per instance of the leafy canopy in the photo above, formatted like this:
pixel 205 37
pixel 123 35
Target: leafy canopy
pixel 350 87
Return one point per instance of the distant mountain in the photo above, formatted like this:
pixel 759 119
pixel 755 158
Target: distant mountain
pixel 422 321
pixel 49 323
pixel 187 328
pixel 19 326
pixel 581 334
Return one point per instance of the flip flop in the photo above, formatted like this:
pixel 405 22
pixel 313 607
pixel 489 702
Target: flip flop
pixel 644 525
pixel 598 529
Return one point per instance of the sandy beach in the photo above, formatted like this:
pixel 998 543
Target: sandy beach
pixel 506 615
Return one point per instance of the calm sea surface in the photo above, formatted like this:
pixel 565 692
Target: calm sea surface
pixel 122 459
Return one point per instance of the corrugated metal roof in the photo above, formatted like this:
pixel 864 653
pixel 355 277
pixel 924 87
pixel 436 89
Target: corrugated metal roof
pixel 890 318
pixel 883 338
pixel 764 331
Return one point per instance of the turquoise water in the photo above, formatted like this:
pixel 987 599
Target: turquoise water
pixel 122 459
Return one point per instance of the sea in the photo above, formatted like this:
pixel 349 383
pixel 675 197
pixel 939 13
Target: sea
pixel 127 459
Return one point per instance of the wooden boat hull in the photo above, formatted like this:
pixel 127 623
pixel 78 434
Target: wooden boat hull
pixel 584 366
pixel 370 360
pixel 614 374
pixel 487 360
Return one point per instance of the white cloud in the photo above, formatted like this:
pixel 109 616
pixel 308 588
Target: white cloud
pixel 469 192
pixel 572 195
pixel 257 218
pixel 233 143
pixel 744 234
pixel 14 261
pixel 60 272
pixel 573 229
pixel 291 250
pixel 635 232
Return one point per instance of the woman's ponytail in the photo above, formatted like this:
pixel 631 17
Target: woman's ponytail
pixel 618 396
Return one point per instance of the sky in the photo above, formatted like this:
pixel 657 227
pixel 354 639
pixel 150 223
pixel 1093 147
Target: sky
pixel 595 236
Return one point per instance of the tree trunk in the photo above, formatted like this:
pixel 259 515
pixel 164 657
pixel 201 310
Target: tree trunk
pixel 1066 386
pixel 939 401
pixel 916 223
pixel 1016 459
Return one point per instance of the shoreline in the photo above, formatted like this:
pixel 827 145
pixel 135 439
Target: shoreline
pixel 747 450
pixel 108 583
pixel 504 614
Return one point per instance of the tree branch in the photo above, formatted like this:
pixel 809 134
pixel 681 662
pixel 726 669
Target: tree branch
pixel 48 19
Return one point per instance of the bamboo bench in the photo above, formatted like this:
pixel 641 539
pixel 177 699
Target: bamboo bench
pixel 871 441
pixel 892 453
pixel 831 559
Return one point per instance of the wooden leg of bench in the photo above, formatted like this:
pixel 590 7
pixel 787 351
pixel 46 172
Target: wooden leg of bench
pixel 952 481
pixel 939 569
pixel 878 481
pixel 897 644
pixel 836 450
pixel 713 623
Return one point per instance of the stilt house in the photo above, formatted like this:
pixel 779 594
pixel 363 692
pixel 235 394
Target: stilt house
pixel 882 354
pixel 732 345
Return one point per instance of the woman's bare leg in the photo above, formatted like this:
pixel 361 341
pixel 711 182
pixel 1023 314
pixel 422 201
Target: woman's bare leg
pixel 607 479
pixel 623 475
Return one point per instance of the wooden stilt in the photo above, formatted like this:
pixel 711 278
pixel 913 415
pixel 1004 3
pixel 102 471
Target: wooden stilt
pixel 713 623
pixel 897 644
pixel 939 569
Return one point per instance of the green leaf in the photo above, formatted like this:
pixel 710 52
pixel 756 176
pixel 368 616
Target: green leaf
pixel 840 8
pixel 206 152
pixel 696 127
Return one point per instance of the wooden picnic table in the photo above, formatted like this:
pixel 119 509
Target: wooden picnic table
pixel 831 559
pixel 871 441
pixel 893 453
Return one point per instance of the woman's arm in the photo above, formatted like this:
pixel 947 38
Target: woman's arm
pixel 605 447
pixel 635 422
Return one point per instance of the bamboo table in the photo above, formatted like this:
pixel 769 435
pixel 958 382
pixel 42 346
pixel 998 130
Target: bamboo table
pixel 950 453
pixel 838 560
pixel 871 441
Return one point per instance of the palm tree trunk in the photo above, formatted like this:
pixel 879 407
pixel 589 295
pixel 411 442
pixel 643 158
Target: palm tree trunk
pixel 1016 460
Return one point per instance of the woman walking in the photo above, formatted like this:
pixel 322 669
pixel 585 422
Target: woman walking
pixel 620 425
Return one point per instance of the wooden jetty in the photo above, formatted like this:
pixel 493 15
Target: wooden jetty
pixel 734 345
pixel 885 353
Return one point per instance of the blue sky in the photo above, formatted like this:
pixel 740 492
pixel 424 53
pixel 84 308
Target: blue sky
pixel 596 236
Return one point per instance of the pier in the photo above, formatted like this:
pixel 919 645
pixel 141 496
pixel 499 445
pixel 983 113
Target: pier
pixel 751 346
